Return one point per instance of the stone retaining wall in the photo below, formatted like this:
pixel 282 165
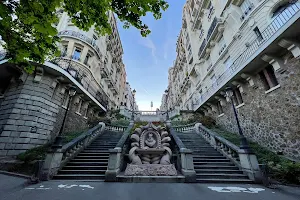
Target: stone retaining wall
pixel 273 119
pixel 31 114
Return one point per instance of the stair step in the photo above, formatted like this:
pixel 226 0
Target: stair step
pixel 89 160
pixel 92 156
pixel 79 177
pixel 87 163
pixel 214 167
pixel 208 157
pixel 214 163
pixel 210 160
pixel 216 180
pixel 87 171
pixel 85 167
pixel 222 176
pixel 218 171
pixel 95 151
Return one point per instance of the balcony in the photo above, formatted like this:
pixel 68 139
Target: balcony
pixel 83 77
pixel 214 32
pixel 200 6
pixel 82 37
pixel 104 72
pixel 284 25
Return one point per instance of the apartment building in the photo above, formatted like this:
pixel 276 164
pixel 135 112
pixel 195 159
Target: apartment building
pixel 32 106
pixel 251 46
pixel 129 101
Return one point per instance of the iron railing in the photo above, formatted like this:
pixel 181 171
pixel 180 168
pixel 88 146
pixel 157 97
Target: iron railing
pixel 82 37
pixel 281 19
pixel 75 70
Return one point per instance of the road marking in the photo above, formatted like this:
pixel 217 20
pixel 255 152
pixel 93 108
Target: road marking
pixel 236 189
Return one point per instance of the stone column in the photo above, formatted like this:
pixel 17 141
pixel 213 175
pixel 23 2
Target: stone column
pixel 114 164
pixel 187 165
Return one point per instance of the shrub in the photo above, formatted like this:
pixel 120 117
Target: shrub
pixel 120 122
pixel 37 153
pixel 280 168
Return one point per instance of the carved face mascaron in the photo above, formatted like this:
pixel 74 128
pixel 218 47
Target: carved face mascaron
pixel 150 141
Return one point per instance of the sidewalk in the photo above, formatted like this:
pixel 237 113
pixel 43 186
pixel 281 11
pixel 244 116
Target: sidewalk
pixel 12 188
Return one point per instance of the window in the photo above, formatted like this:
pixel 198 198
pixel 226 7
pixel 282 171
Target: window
pixel 79 106
pixel 86 60
pixel 268 77
pixel 94 39
pixel 222 45
pixel 258 33
pixel 76 54
pixel 237 97
pixel 219 108
pixel 246 7
pixel 64 50
pixel 228 63
pixel 66 98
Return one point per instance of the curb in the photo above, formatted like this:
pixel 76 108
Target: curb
pixel 15 174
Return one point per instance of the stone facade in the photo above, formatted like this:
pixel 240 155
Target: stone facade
pixel 31 114
pixel 270 119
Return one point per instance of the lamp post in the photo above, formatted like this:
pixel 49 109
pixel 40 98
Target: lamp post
pixel 167 97
pixel 132 113
pixel 244 144
pixel 58 140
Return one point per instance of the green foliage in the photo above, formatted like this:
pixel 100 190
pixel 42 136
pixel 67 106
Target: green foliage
pixel 69 136
pixel 205 120
pixel 280 168
pixel 93 122
pixel 27 27
pixel 137 125
pixel 120 122
pixel 37 153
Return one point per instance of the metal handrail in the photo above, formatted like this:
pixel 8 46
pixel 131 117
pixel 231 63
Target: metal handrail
pixel 266 34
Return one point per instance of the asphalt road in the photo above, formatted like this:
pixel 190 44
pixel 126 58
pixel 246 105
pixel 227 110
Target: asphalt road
pixel 12 188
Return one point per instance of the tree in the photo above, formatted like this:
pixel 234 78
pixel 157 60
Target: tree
pixel 26 26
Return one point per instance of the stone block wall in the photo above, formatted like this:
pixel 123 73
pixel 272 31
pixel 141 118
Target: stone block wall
pixel 272 119
pixel 31 114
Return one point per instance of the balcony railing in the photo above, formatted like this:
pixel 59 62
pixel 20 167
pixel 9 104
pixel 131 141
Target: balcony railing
pixel 203 45
pixel 277 23
pixel 82 37
pixel 74 69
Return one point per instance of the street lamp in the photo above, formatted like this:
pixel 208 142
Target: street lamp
pixel 244 144
pixel 167 96
pixel 58 140
pixel 132 113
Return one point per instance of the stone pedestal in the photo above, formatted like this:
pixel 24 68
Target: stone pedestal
pixel 51 165
pixel 250 165
pixel 150 170
pixel 114 164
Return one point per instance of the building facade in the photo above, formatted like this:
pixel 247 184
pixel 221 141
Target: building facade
pixel 32 106
pixel 251 46
pixel 129 101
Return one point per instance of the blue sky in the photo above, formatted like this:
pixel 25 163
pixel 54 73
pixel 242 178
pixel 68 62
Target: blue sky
pixel 147 60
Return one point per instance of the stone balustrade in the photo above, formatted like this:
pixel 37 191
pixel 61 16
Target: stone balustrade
pixel 185 128
pixel 223 145
pixel 58 158
pixel 245 159
pixel 115 128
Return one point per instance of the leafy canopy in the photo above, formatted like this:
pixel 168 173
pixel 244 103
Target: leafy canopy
pixel 27 26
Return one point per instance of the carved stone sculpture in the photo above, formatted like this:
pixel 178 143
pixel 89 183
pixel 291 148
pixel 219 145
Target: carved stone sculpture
pixel 150 152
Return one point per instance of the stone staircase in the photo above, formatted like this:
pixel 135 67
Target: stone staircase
pixel 91 163
pixel 210 165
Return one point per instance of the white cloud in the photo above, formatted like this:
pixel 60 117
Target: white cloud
pixel 148 43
